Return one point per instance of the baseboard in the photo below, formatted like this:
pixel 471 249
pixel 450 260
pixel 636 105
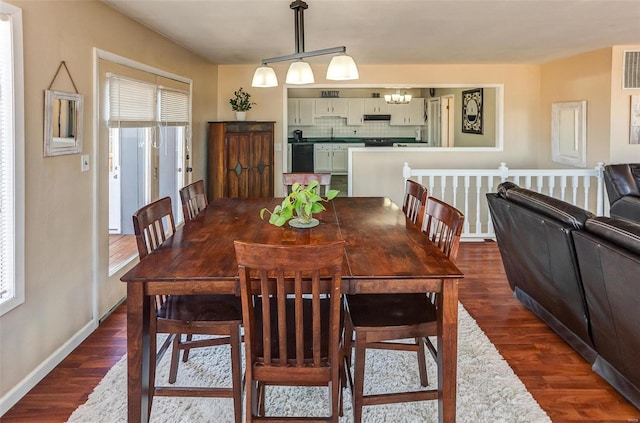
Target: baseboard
pixel 20 390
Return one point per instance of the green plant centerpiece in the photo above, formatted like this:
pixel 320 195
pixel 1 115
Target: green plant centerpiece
pixel 298 207
pixel 241 102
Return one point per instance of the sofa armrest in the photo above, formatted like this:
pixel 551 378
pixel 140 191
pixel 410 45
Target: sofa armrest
pixel 621 232
pixel 627 207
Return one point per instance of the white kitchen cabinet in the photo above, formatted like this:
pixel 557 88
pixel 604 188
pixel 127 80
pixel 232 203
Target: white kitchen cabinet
pixel 408 114
pixel 339 158
pixel 322 157
pixel 375 106
pixel 356 111
pixel 331 107
pixel 300 111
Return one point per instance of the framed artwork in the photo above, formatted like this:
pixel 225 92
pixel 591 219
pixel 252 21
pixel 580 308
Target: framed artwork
pixel 569 133
pixel 472 111
pixel 635 120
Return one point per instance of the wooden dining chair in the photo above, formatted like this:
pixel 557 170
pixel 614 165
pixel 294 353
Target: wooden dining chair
pixel 288 179
pixel 291 306
pixel 415 198
pixel 380 319
pixel 194 199
pixel 219 315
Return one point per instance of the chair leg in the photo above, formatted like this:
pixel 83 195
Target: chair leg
pixel 185 353
pixel 261 398
pixel 251 400
pixel 335 394
pixel 358 387
pixel 175 357
pixel 422 362
pixel 236 373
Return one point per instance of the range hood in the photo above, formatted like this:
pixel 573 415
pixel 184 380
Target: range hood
pixel 376 117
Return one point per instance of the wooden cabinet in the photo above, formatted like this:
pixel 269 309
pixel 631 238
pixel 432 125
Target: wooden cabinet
pixel 300 111
pixel 332 157
pixel 322 158
pixel 356 111
pixel 375 106
pixel 240 160
pixel 331 107
pixel 408 114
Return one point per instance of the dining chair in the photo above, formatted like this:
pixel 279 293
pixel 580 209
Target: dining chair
pixel 291 307
pixel 218 315
pixel 194 199
pixel 380 319
pixel 288 179
pixel 415 197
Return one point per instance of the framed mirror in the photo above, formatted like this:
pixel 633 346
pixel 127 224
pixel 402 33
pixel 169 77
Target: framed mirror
pixel 569 133
pixel 62 123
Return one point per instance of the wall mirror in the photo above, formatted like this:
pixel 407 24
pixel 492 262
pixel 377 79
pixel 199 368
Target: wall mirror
pixel 442 106
pixel 62 123
pixel 569 133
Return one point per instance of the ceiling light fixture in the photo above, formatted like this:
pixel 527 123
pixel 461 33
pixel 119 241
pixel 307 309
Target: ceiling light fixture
pixel 341 67
pixel 398 98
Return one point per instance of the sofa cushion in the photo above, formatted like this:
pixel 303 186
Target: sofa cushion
pixel 627 207
pixel 618 231
pixel 545 205
pixel 621 180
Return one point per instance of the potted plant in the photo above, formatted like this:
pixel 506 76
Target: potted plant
pixel 298 207
pixel 241 103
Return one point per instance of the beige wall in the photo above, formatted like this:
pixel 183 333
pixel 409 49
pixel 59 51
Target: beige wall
pixel 620 149
pixel 60 200
pixel 583 77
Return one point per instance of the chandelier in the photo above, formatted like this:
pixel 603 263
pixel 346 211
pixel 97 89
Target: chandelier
pixel 341 67
pixel 397 98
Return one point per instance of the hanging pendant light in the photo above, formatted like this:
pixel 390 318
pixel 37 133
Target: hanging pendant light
pixel 264 77
pixel 341 68
pixel 300 73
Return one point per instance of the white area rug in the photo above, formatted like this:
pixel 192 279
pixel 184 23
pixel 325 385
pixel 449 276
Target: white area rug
pixel 488 390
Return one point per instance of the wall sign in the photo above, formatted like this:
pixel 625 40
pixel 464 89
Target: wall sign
pixel 472 111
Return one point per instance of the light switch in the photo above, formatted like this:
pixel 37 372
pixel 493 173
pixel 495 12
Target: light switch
pixel 84 163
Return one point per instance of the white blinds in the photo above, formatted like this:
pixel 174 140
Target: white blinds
pixel 7 216
pixel 140 104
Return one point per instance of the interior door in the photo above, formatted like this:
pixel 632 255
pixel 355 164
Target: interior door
pixel 447 111
pixel 434 122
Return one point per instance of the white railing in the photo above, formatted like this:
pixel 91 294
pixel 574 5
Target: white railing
pixel 466 189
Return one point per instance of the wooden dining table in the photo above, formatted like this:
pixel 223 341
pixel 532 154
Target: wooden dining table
pixel 384 253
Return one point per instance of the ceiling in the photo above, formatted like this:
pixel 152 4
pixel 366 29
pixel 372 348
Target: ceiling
pixel 394 31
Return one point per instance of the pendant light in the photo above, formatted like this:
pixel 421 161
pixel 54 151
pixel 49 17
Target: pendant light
pixel 341 68
pixel 398 98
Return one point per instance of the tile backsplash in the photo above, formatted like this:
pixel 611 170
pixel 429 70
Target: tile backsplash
pixel 373 129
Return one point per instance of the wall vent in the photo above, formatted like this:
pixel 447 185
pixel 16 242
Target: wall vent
pixel 631 69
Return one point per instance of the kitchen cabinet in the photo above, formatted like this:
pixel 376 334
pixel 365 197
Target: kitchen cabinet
pixel 333 157
pixel 356 111
pixel 300 111
pixel 408 114
pixel 240 160
pixel 331 107
pixel 375 106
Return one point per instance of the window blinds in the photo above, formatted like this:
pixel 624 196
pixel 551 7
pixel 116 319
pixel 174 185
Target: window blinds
pixel 140 104
pixel 7 200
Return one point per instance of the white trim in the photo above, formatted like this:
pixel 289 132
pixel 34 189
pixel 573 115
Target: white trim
pixel 16 393
pixel 19 169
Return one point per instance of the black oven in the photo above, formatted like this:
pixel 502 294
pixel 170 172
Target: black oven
pixel 302 157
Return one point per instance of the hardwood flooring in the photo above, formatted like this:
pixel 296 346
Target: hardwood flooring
pixel 563 384
pixel 121 249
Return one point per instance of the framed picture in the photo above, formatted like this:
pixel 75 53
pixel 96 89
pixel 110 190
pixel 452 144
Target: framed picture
pixel 472 111
pixel 635 120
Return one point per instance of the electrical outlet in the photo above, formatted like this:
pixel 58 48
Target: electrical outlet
pixel 84 163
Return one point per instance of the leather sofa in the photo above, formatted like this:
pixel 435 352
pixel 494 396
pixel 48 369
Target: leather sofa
pixel 623 188
pixel 579 273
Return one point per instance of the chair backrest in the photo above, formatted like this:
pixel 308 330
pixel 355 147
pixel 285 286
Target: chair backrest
pixel 297 340
pixel 194 200
pixel 288 179
pixel 443 226
pixel 415 197
pixel 152 225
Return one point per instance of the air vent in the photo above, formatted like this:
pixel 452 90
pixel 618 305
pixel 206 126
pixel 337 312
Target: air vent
pixel 631 69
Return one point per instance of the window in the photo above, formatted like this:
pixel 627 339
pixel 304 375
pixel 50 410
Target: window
pixel 11 159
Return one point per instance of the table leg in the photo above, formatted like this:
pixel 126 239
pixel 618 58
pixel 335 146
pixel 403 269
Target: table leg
pixel 447 350
pixel 137 354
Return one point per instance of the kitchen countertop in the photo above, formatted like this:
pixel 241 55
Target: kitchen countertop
pixel 353 140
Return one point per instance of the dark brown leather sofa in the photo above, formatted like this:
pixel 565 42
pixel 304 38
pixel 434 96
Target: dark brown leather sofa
pixel 579 273
pixel 623 189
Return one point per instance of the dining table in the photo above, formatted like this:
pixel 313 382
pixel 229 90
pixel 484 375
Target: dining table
pixel 384 253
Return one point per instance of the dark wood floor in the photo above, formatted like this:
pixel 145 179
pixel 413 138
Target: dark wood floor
pixel 561 382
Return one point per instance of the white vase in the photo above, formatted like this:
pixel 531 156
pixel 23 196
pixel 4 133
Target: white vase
pixel 241 115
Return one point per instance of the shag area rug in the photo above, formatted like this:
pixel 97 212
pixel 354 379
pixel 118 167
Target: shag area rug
pixel 488 390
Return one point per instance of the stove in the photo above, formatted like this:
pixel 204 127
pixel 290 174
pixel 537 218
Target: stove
pixel 378 142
